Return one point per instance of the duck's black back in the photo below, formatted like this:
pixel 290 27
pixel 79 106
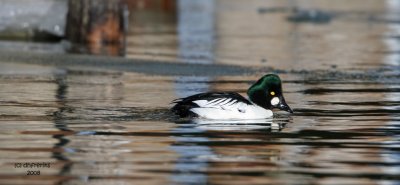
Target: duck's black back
pixel 183 105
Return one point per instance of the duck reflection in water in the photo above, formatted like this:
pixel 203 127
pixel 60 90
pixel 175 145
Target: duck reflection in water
pixel 270 124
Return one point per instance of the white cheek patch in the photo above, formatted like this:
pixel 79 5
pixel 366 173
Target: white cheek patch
pixel 275 101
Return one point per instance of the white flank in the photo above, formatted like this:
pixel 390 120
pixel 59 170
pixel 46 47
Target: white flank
pixel 227 108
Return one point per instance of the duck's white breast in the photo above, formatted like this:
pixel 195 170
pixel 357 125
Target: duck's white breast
pixel 229 109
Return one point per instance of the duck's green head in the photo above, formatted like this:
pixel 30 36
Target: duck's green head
pixel 267 93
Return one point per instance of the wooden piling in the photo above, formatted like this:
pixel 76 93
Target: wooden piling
pixel 101 25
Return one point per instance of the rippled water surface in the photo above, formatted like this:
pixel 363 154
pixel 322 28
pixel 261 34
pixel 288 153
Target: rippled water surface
pixel 341 76
pixel 110 127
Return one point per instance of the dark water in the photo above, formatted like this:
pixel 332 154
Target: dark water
pixel 110 127
pixel 340 75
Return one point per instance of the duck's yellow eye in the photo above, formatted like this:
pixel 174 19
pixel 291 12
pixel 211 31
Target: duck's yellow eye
pixel 272 93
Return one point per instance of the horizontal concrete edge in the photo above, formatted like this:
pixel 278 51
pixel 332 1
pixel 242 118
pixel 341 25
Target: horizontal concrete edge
pixel 123 64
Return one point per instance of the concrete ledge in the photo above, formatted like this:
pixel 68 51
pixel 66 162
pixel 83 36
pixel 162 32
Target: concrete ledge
pixel 88 62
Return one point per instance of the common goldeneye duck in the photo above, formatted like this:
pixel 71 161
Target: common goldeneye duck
pixel 264 95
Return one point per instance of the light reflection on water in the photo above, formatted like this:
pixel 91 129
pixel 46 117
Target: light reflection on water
pixel 392 59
